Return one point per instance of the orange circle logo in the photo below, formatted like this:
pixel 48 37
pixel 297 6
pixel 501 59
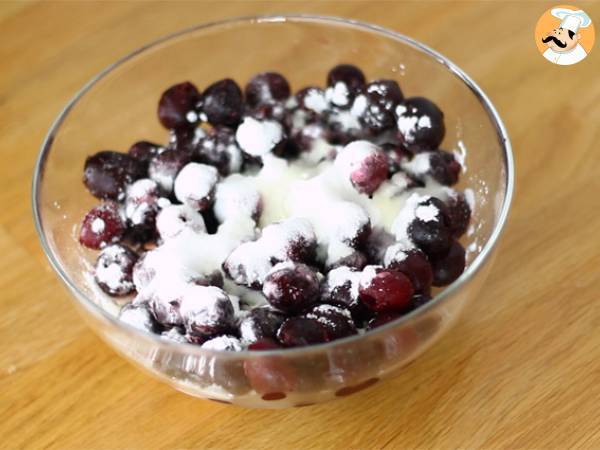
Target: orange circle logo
pixel 564 35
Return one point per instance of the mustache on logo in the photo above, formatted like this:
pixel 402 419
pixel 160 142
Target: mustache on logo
pixel 555 40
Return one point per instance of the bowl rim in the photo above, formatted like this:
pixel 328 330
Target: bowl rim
pixel 155 339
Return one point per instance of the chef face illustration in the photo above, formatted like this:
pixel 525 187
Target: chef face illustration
pixel 563 42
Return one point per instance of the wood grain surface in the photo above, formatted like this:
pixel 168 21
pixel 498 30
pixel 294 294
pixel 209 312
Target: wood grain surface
pixel 520 370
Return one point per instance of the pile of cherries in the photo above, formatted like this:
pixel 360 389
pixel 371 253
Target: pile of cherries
pixel 379 282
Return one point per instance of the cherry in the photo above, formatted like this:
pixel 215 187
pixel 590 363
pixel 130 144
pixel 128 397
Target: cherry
pixel 444 167
pixel 337 321
pixel 102 225
pixel 431 232
pixel 388 290
pixel 459 214
pixel 421 124
pixel 141 207
pixel 195 185
pixel 373 114
pixel 381 319
pixel 301 331
pixel 206 311
pixel 291 287
pixel 260 323
pixel 144 151
pixel 177 106
pixel 386 93
pixel 414 264
pixel 226 373
pixel 355 260
pixel 265 88
pixel 107 174
pixel 138 316
pixel 370 173
pixel 164 168
pixel 269 374
pixel 219 149
pixel 114 268
pixel 312 100
pixel 174 219
pixel 348 74
pixel 222 103
pixel 448 267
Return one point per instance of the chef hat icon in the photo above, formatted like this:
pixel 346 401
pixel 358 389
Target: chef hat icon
pixel 572 20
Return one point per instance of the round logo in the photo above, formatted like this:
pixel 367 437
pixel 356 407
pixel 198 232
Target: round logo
pixel 565 35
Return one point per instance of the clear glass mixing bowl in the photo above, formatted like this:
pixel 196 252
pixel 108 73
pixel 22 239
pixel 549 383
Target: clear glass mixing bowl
pixel 118 107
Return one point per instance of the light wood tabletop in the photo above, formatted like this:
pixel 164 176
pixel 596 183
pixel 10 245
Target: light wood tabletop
pixel 521 369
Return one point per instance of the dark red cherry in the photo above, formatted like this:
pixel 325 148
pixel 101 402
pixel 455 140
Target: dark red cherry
pixel 459 213
pixel 144 151
pixel 177 106
pixel 291 287
pixel 114 268
pixel 266 87
pixel 444 167
pixel 421 124
pixel 388 290
pixel 448 267
pixel 101 226
pixel 222 103
pixel 301 331
pixel 337 321
pixel 348 74
pixel 414 264
pixel 107 174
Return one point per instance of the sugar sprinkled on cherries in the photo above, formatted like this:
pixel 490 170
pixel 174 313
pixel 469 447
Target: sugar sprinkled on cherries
pixel 114 269
pixel 266 87
pixel 291 287
pixel 101 226
pixel 200 214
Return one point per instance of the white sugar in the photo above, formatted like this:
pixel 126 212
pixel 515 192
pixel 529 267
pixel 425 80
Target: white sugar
pixel 236 195
pixel 406 216
pixel 315 100
pixel 191 117
pixel 195 182
pixel 258 138
pixel 424 122
pixel 470 198
pixel 98 225
pixel 427 213
pixel 338 94
pixel 396 252
pixel 367 275
pixel 408 126
pixel 419 165
pixel 359 106
pixel 173 219
pixel 223 343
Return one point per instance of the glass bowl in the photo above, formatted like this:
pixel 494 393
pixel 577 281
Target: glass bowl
pixel 118 107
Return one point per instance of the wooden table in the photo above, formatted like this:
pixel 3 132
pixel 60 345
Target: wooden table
pixel 520 370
